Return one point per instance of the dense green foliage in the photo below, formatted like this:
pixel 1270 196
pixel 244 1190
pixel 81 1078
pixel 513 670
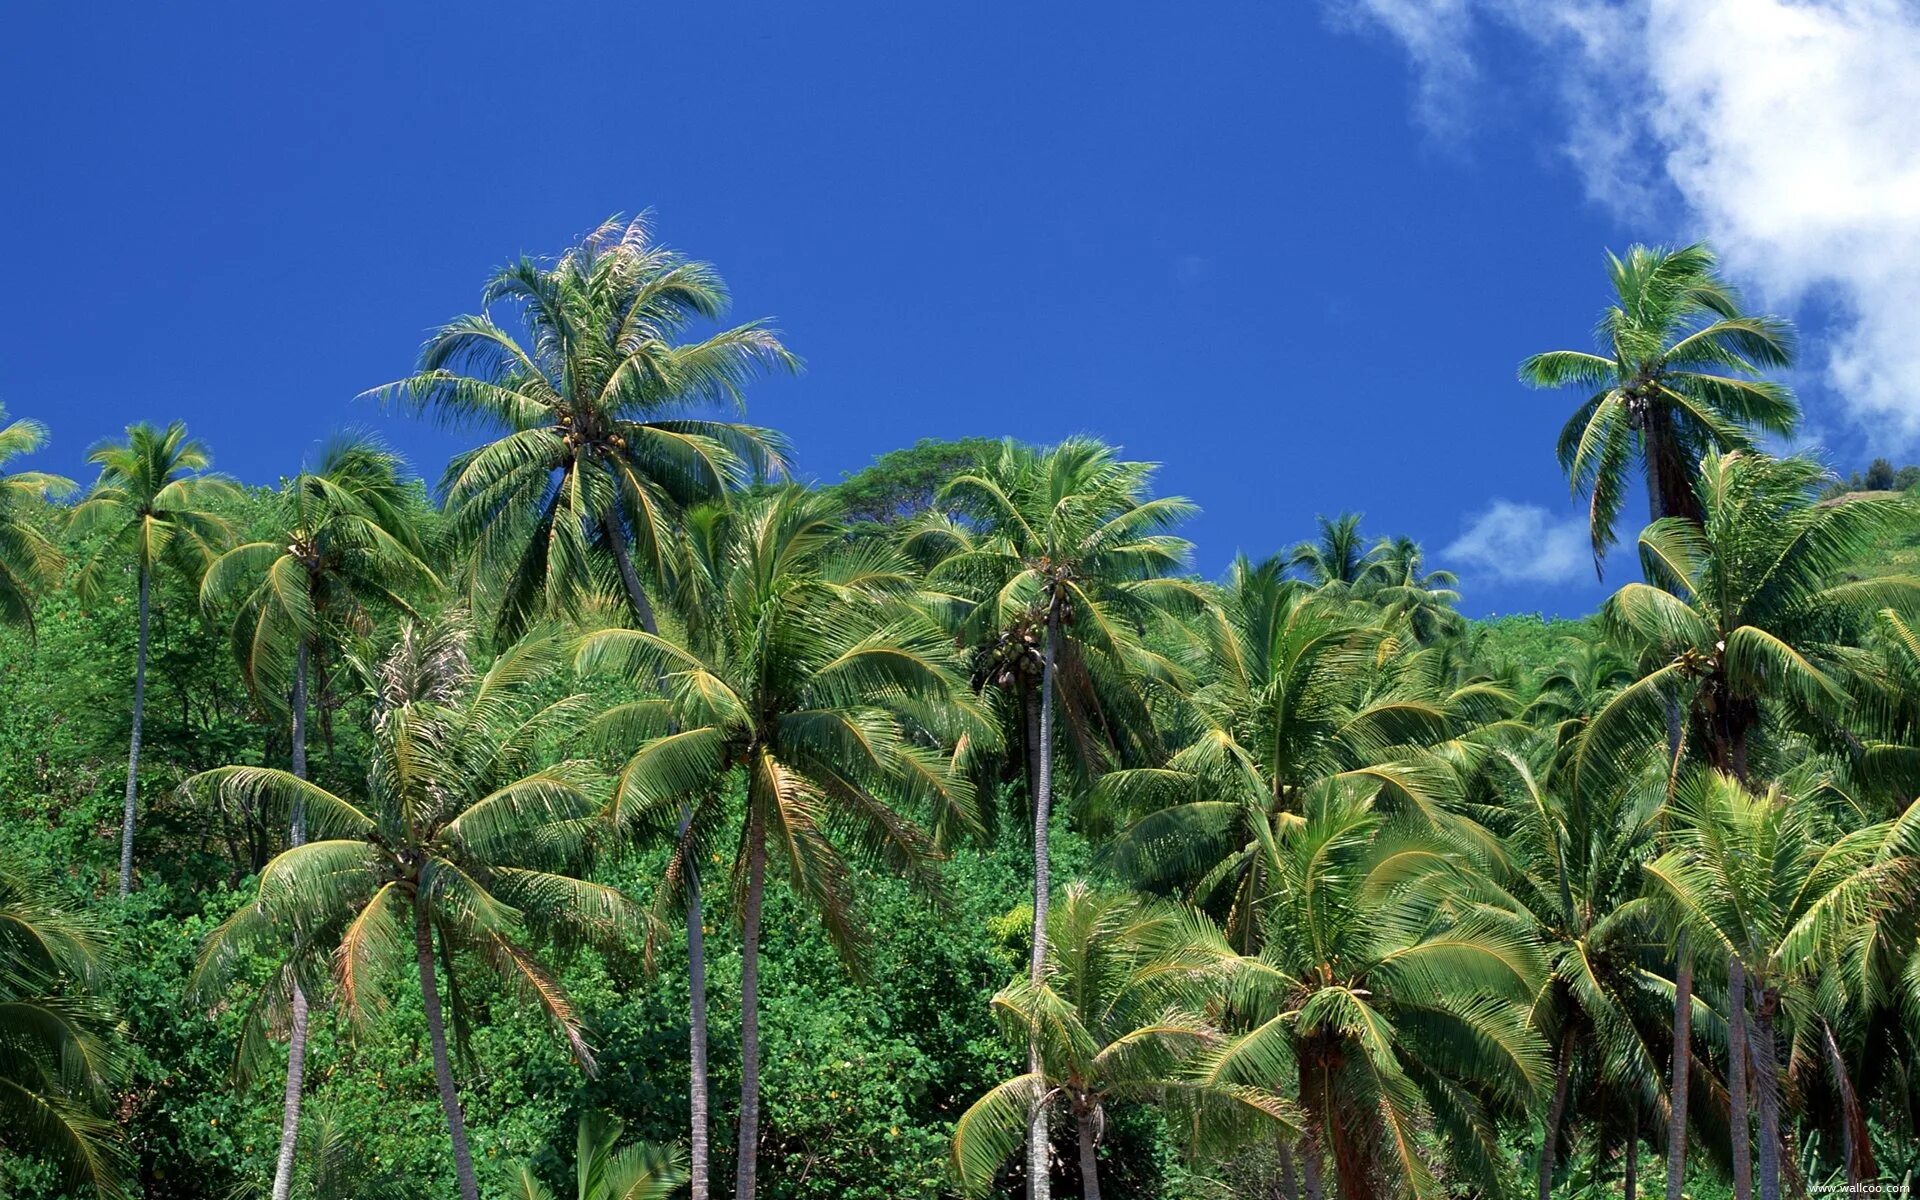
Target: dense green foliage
pixel 620 819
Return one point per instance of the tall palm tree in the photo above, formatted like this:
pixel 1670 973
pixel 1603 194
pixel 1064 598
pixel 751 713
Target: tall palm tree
pixel 801 663
pixel 1574 869
pixel 29 561
pixel 1757 620
pixel 1060 554
pixel 606 1170
pixel 1119 1015
pixel 466 838
pixel 346 533
pixel 1336 557
pixel 1396 578
pixel 1751 875
pixel 597 405
pixel 1676 379
pixel 154 505
pixel 58 1057
pixel 1393 994
pixel 1301 691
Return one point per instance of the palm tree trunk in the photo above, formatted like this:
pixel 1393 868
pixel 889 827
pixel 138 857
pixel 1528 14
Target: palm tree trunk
pixel 1682 1068
pixel 442 1063
pixel 1630 1173
pixel 1316 1188
pixel 1039 1184
pixel 636 595
pixel 1550 1136
pixel 133 743
pixel 1289 1186
pixel 1766 1082
pixel 1861 1168
pixel 297 1032
pixel 1737 1099
pixel 747 1146
pixel 1089 1159
pixel 699 1170
pixel 1030 739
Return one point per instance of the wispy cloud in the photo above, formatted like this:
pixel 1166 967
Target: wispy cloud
pixel 1781 130
pixel 1523 543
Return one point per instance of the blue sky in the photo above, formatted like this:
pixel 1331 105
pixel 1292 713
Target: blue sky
pixel 1293 252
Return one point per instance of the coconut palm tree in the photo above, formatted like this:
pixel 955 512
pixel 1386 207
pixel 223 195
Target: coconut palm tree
pixel 29 561
pixel 1574 869
pixel 1057 557
pixel 1393 988
pixel 597 403
pixel 1300 691
pixel 1396 579
pixel 802 663
pixel 606 1170
pixel 1336 557
pixel 465 839
pixel 1118 1015
pixel 1750 874
pixel 153 505
pixel 1757 619
pixel 58 1056
pixel 1676 379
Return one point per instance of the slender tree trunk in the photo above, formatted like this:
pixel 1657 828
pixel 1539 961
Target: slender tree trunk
pixel 442 1063
pixel 699 1169
pixel 1089 1159
pixel 1289 1185
pixel 1039 1184
pixel 1766 1081
pixel 1550 1136
pixel 1316 1188
pixel 1630 1173
pixel 1030 740
pixel 1682 1068
pixel 636 595
pixel 297 1033
pixel 1853 1119
pixel 748 1143
pixel 133 743
pixel 1737 1099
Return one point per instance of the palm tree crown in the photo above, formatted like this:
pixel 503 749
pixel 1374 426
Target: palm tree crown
pixel 29 561
pixel 1676 380
pixel 597 410
pixel 154 506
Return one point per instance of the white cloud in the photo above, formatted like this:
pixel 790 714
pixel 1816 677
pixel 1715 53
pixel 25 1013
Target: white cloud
pixel 1524 543
pixel 1783 131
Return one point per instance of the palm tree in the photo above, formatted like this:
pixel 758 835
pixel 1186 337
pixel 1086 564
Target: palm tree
pixel 1300 692
pixel 1574 869
pixel 345 532
pixel 605 1170
pixel 596 405
pixel 1396 578
pixel 1676 380
pixel 1336 557
pixel 58 1056
pixel 463 840
pixel 153 504
pixel 1751 875
pixel 1755 622
pixel 1060 555
pixel 1118 1015
pixel 29 561
pixel 801 664
pixel 1394 987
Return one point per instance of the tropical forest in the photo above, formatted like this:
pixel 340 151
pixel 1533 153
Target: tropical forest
pixel 613 812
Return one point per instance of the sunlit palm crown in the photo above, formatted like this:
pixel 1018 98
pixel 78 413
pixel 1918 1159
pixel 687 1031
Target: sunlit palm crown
pixel 1119 1015
pixel 812 667
pixel 466 812
pixel 153 505
pixel 1677 379
pixel 345 533
pixel 1301 692
pixel 29 561
pixel 1759 612
pixel 598 403
pixel 1394 986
